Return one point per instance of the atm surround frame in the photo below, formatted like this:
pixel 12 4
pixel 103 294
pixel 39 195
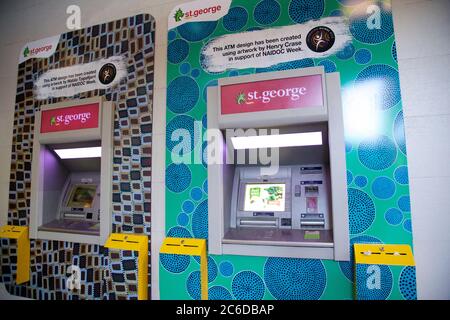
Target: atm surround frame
pixel 219 200
pixel 103 132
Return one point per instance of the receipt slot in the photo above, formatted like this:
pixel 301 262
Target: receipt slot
pixel 71 183
pixel 276 166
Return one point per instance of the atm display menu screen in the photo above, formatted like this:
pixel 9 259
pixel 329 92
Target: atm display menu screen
pixel 265 197
pixel 82 196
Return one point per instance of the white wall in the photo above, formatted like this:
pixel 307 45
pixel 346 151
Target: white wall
pixel 423 47
pixel 423 43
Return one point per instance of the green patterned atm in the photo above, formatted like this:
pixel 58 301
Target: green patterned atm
pixel 211 41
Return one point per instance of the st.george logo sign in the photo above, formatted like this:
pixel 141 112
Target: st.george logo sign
pixel 70 118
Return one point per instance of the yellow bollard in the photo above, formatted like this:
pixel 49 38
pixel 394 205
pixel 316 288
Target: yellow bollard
pixel 190 247
pixel 134 242
pixel 23 250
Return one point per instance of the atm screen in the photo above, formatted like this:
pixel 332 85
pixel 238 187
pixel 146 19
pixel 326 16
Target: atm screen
pixel 82 196
pixel 265 197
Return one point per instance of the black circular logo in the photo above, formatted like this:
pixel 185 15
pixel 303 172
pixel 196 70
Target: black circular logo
pixel 320 39
pixel 107 73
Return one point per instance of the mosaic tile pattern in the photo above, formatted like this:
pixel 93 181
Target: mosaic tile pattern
pixel 123 268
pixel 8 260
pixel 132 38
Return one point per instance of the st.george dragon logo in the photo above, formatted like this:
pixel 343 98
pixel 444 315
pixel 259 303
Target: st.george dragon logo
pixel 241 98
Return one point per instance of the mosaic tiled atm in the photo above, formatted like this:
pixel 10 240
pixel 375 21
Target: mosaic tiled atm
pixel 113 65
pixel 243 39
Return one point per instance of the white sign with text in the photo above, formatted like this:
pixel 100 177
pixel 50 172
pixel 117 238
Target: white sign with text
pixel 265 48
pixel 66 82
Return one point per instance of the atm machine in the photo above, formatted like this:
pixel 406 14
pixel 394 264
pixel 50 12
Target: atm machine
pixel 296 197
pixel 71 187
pixel 294 205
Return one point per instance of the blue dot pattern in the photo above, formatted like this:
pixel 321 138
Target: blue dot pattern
pixel 347 52
pixel 182 94
pixel 295 279
pixel 196 193
pixel 361 181
pixel 407 283
pixel 393 216
pixel 361 210
pixel 363 29
pixel 348 147
pixel 178 177
pixel 195 73
pixel 267 12
pixel 401 175
pixel 388 79
pixel 183 219
pixel 179 232
pixel 226 268
pixel 328 65
pixel 196 31
pixel 193 285
pixel 296 64
pixel 383 188
pixel 212 269
pixel 188 206
pixel 205 121
pixel 404 203
pixel 171 35
pixel 349 177
pixel 394 51
pixel 235 19
pixel 347 266
pixel 185 68
pixel 183 122
pixel 219 293
pixel 174 263
pixel 399 132
pixel 177 51
pixel 407 225
pixel 200 221
pixel 247 285
pixel 363 56
pixel 304 10
pixel 365 293
pixel 377 153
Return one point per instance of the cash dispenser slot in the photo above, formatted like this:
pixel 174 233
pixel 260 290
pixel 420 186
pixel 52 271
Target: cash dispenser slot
pixel 258 222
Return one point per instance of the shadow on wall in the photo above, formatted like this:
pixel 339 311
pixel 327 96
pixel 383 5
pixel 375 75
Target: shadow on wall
pixel 5 295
